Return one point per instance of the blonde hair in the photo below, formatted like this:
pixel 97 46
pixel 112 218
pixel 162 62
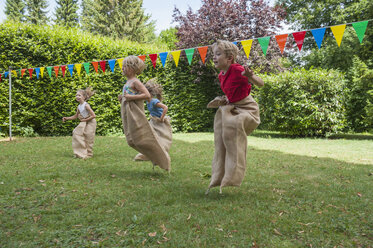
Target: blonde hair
pixel 228 48
pixel 134 63
pixel 154 89
pixel 87 93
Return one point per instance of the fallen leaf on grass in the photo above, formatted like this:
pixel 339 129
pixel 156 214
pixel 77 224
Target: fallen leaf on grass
pixel 190 215
pixel 277 232
pixel 359 195
pixel 143 242
pixel 152 234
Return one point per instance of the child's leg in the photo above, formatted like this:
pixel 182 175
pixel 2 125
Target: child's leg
pixel 89 134
pixel 78 141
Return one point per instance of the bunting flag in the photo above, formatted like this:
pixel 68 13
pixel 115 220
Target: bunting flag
pixel 120 62
pixel 338 32
pixel 189 53
pixel 153 58
pixel 49 69
pixel 95 65
pixel 176 56
pixel 30 72
pixel 264 43
pixel 63 69
pixel 14 72
pixel 112 64
pixel 281 41
pixel 360 28
pixel 163 57
pixel 299 38
pixel 19 71
pixel 42 71
pixel 22 72
pixel 56 68
pixel 78 68
pixel 235 42
pixel 142 57
pixel 246 44
pixel 86 67
pixel 202 52
pixel 37 70
pixel 0 77
pixel 103 65
pixel 318 34
pixel 6 74
pixel 71 69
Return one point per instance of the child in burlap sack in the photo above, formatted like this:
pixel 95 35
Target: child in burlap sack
pixel 158 119
pixel 139 134
pixel 84 133
pixel 237 116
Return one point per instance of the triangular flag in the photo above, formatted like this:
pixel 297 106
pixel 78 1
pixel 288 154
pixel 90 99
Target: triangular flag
pixel 19 71
pixel 281 41
pixel 0 77
pixel 6 74
pixel 71 69
pixel 120 63
pixel 360 28
pixel 86 67
pixel 163 57
pixel 142 57
pixel 63 69
pixel 95 65
pixel 189 53
pixel 112 64
pixel 56 68
pixel 153 58
pixel 78 68
pixel 37 70
pixel 176 56
pixel 103 65
pixel 42 71
pixel 14 72
pixel 338 32
pixel 318 34
pixel 264 43
pixel 30 72
pixel 202 52
pixel 235 42
pixel 246 44
pixel 299 38
pixel 49 69
pixel 23 72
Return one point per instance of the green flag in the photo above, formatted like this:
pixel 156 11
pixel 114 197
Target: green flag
pixel 189 53
pixel 49 69
pixel 360 28
pixel 264 42
pixel 86 67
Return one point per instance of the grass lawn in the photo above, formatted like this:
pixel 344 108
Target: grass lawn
pixel 296 193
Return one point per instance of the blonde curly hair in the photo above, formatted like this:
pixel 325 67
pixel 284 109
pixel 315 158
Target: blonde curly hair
pixel 154 89
pixel 134 63
pixel 228 48
pixel 87 93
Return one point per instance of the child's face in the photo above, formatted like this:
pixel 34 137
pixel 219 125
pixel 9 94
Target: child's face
pixel 221 61
pixel 79 97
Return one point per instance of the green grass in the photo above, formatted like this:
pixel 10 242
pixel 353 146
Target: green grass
pixel 296 193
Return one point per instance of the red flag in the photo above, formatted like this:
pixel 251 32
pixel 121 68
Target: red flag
pixel 95 65
pixel 56 68
pixel 30 72
pixel 103 65
pixel 22 72
pixel 142 57
pixel 0 77
pixel 202 51
pixel 299 38
pixel 281 41
pixel 153 58
pixel 63 69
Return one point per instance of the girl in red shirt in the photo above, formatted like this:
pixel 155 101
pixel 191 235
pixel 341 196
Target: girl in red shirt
pixel 237 116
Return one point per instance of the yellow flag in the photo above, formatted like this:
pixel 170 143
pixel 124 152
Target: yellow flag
pixel 78 68
pixel 42 71
pixel 338 32
pixel 120 63
pixel 246 44
pixel 15 73
pixel 176 56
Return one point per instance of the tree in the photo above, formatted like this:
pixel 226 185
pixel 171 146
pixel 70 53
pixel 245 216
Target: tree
pixel 15 10
pixel 36 13
pixel 168 37
pixel 232 20
pixel 118 19
pixel 66 13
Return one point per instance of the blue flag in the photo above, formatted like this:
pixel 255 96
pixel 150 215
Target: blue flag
pixel 112 64
pixel 163 57
pixel 318 34
pixel 71 69
pixel 37 70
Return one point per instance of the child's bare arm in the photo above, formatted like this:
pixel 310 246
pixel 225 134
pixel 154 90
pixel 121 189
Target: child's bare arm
pixel 144 93
pixel 252 77
pixel 91 113
pixel 165 109
pixel 73 117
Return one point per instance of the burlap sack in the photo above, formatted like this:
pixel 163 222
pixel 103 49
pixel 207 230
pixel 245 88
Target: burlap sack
pixel 164 133
pixel 232 124
pixel 83 138
pixel 141 136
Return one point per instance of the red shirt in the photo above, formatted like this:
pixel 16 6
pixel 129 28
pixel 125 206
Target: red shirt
pixel 235 86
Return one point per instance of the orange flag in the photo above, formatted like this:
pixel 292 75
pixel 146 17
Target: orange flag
pixel 281 41
pixel 23 72
pixel 56 68
pixel 95 65
pixel 202 51
pixel 142 57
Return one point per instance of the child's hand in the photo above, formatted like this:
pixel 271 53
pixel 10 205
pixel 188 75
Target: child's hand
pixel 247 72
pixel 63 119
pixel 120 97
pixel 127 97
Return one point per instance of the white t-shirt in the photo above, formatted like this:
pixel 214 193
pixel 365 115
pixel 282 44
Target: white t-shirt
pixel 83 111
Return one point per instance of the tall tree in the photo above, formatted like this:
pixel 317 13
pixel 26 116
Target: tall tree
pixel 118 19
pixel 36 12
pixel 66 13
pixel 232 20
pixel 15 10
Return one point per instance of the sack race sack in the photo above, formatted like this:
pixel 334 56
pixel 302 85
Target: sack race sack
pixel 83 138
